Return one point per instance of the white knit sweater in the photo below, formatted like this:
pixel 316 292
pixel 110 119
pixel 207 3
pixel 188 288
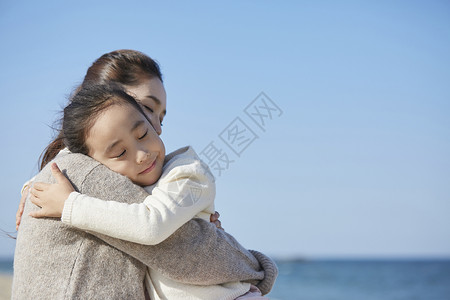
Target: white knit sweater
pixel 185 190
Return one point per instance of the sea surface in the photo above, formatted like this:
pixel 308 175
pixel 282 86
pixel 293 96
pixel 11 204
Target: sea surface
pixel 363 280
pixel 353 279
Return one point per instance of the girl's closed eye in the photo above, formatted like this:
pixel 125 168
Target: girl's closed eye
pixel 121 154
pixel 143 136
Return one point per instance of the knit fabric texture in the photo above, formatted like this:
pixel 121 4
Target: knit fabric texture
pixel 55 261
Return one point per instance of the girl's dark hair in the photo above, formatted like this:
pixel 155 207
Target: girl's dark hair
pixel 124 67
pixel 85 107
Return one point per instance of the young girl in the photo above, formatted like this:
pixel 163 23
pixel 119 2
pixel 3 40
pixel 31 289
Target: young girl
pixel 107 124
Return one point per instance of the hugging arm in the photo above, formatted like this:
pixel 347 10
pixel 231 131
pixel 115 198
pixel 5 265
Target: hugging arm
pixel 197 253
pixel 170 205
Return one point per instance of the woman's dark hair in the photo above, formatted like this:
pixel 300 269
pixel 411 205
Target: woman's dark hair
pixel 85 107
pixel 124 67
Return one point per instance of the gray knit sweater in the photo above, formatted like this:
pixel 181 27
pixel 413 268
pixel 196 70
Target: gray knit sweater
pixel 55 261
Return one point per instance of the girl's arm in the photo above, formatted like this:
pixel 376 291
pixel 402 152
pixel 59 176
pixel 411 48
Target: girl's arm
pixel 197 253
pixel 181 194
pixel 185 189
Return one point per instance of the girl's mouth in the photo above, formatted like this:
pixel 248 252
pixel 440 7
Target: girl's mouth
pixel 149 169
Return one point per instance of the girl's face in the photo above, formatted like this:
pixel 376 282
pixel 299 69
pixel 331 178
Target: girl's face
pixel 123 140
pixel 152 96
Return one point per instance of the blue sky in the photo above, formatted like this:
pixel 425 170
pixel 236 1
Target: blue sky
pixel 358 163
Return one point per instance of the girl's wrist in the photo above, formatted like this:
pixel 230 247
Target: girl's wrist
pixel 66 215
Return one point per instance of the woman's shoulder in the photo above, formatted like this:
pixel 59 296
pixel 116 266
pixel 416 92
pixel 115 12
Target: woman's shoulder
pixel 181 157
pixel 76 166
pixel 175 154
pixel 184 160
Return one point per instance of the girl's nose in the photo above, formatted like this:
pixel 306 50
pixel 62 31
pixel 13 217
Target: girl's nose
pixel 142 157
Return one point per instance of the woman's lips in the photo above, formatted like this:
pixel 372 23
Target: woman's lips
pixel 149 168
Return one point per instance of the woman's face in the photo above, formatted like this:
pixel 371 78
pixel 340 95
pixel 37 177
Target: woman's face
pixel 152 95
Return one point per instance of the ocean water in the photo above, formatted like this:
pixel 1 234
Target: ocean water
pixel 351 280
pixel 363 280
pixel 6 266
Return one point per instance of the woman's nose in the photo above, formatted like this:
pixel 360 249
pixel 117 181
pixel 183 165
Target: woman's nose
pixel 157 126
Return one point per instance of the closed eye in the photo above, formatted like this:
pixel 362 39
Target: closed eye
pixel 148 108
pixel 145 134
pixel 121 154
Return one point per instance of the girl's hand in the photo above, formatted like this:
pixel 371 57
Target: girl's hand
pixel 19 213
pixel 51 197
pixel 215 220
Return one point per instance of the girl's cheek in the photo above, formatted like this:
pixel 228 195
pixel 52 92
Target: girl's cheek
pixel 117 167
pixel 123 170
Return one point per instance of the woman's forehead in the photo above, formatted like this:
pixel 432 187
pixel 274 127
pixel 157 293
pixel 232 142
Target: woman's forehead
pixel 149 91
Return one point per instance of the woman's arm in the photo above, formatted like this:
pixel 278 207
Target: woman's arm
pixel 25 191
pixel 24 194
pixel 196 253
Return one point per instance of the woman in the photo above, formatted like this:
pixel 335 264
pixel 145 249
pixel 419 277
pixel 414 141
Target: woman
pixel 84 266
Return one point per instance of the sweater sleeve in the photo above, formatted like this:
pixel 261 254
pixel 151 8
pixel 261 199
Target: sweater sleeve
pixel 182 193
pixel 196 253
